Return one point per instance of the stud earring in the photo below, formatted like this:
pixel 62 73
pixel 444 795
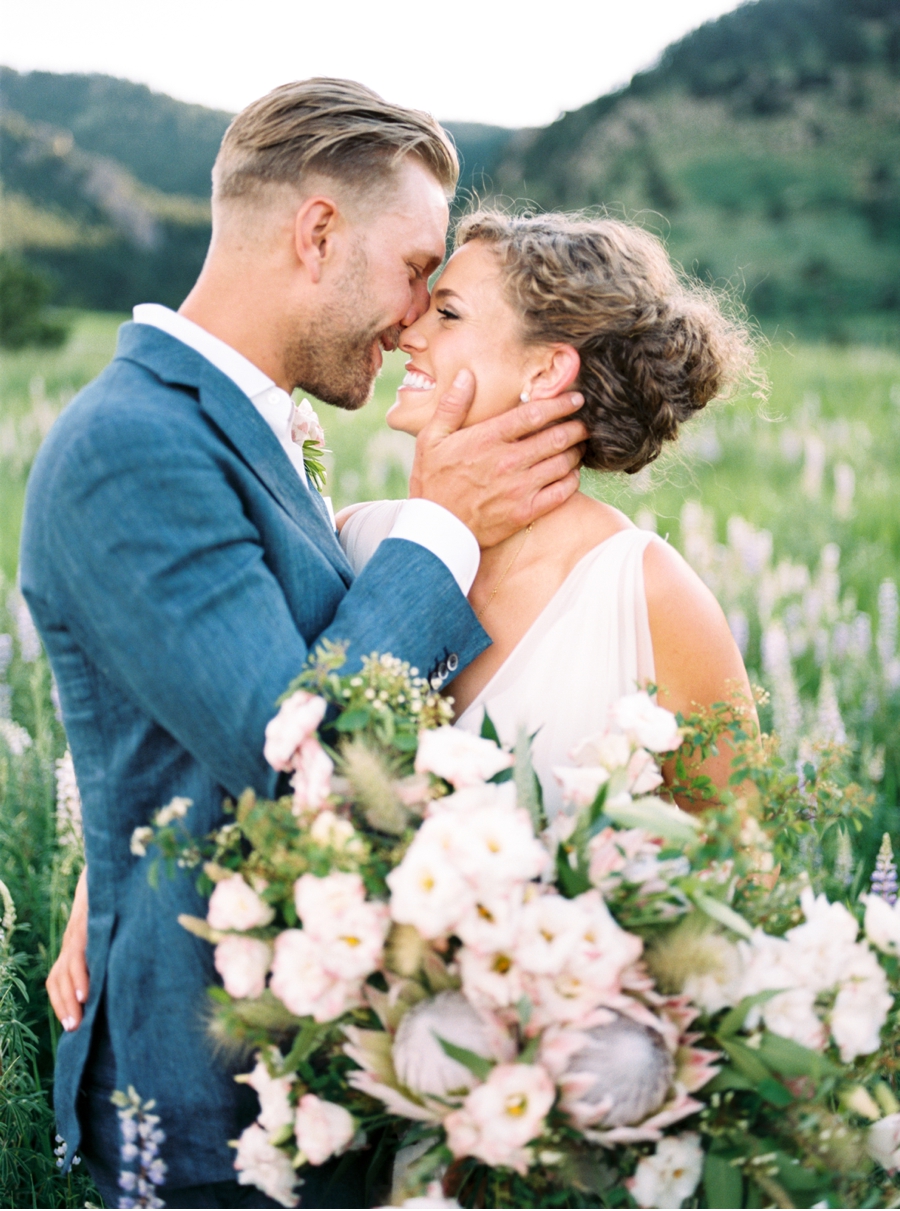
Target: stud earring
pixel 525 398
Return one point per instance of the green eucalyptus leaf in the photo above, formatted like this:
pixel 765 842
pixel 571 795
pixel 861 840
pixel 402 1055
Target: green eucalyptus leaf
pixel 660 819
pixel 723 1184
pixel 476 1064
pixel 735 1018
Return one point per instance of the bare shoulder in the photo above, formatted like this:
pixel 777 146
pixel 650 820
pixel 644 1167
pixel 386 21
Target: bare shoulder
pixel 696 657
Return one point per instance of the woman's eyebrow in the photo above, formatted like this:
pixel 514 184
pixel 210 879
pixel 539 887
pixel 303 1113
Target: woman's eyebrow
pixel 444 292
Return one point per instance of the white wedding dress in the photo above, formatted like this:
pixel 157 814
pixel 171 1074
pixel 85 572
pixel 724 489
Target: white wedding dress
pixel 588 647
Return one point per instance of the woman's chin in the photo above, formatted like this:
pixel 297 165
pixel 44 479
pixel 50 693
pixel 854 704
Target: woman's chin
pixel 404 419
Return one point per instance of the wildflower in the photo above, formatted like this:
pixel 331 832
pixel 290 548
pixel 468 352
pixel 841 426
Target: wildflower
pixel 498 1118
pixel 242 963
pixel 177 809
pixel 459 757
pixel 140 839
pixel 646 724
pixel 259 1163
pixel 235 905
pixel 322 1129
pixel 884 876
pixel 296 721
pixel 68 799
pixel 15 737
pixel 671 1174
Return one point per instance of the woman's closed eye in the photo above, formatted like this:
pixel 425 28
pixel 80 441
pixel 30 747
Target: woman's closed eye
pixel 446 314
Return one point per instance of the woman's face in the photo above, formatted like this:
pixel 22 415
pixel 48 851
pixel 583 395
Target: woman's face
pixel 468 326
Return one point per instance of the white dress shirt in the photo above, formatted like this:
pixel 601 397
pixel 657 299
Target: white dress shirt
pixel 420 521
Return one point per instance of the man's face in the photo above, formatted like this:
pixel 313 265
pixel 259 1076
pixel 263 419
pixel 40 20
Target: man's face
pixel 379 288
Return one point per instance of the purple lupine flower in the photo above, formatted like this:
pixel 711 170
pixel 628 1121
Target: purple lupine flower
pixel 884 876
pixel 141 1136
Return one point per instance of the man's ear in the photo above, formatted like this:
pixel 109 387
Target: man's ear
pixel 315 225
pixel 556 373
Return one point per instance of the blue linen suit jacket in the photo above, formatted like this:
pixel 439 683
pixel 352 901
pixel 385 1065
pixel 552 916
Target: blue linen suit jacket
pixel 179 572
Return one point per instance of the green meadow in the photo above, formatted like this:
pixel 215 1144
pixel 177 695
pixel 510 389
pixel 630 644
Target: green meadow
pixel 788 506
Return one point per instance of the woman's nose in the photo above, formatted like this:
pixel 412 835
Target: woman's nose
pixel 412 340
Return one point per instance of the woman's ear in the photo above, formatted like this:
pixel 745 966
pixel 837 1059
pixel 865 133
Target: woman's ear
pixel 556 372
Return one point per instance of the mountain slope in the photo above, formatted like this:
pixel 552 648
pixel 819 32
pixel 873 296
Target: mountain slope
pixel 765 147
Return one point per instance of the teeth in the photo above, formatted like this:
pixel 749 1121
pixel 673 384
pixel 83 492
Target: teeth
pixel 417 381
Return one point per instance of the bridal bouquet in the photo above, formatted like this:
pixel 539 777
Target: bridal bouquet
pixel 625 1005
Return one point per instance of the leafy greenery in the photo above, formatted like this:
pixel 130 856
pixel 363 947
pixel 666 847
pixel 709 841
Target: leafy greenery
pixel 23 322
pixel 38 870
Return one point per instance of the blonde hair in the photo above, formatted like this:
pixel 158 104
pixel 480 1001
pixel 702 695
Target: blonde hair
pixel 334 128
pixel 654 349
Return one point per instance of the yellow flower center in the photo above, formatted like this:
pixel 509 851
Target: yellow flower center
pixel 516 1105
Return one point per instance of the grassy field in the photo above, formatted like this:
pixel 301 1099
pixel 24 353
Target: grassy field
pixel 789 508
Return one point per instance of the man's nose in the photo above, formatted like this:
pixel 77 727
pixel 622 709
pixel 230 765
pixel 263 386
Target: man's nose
pixel 418 304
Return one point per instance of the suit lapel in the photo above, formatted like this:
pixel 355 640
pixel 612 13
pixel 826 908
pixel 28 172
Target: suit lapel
pixel 235 417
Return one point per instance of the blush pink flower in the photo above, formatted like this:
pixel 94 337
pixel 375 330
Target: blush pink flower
pixel 500 1117
pixel 297 719
pixel 242 963
pixel 235 905
pixel 302 982
pixel 275 1110
pixel 259 1163
pixel 311 780
pixel 645 723
pixel 459 757
pixel 322 1129
pixel 580 784
pixel 305 425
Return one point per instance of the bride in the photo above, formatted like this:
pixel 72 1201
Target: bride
pixel 582 606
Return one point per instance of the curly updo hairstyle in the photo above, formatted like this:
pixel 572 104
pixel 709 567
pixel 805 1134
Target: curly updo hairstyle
pixel 654 349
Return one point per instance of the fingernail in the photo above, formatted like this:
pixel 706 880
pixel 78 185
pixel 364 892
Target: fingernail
pixel 577 400
pixel 79 996
pixel 68 1023
pixel 461 378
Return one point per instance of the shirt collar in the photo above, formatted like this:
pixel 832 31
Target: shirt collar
pixel 242 372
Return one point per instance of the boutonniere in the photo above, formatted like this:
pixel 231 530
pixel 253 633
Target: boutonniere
pixel 307 432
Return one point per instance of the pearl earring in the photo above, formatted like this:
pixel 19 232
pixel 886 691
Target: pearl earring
pixel 525 398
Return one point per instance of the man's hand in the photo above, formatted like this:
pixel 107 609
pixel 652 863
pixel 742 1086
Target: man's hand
pixel 68 983
pixel 502 474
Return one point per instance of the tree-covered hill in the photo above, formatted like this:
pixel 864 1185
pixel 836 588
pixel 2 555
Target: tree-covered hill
pixel 765 147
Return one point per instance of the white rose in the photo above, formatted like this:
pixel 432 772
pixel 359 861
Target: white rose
pixel 305 424
pixel 883 1142
pixel 235 905
pixel 861 1007
pixel 297 719
pixel 580 784
pixel 458 756
pixel 322 1129
pixel 671 1174
pixel 276 1110
pixel 882 924
pixel 311 780
pixel 420 1061
pixel 242 963
pixel 645 723
pixel 260 1164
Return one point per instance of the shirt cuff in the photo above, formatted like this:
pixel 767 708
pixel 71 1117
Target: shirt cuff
pixel 444 535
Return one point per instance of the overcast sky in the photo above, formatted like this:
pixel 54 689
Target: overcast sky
pixel 476 60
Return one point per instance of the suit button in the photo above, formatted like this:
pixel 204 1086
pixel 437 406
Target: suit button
pixel 453 662
pixel 442 670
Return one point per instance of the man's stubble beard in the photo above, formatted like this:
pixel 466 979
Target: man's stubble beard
pixel 332 357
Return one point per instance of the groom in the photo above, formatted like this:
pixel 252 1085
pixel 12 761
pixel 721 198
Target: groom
pixel 180 568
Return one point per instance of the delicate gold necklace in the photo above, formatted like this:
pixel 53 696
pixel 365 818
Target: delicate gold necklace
pixel 506 570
